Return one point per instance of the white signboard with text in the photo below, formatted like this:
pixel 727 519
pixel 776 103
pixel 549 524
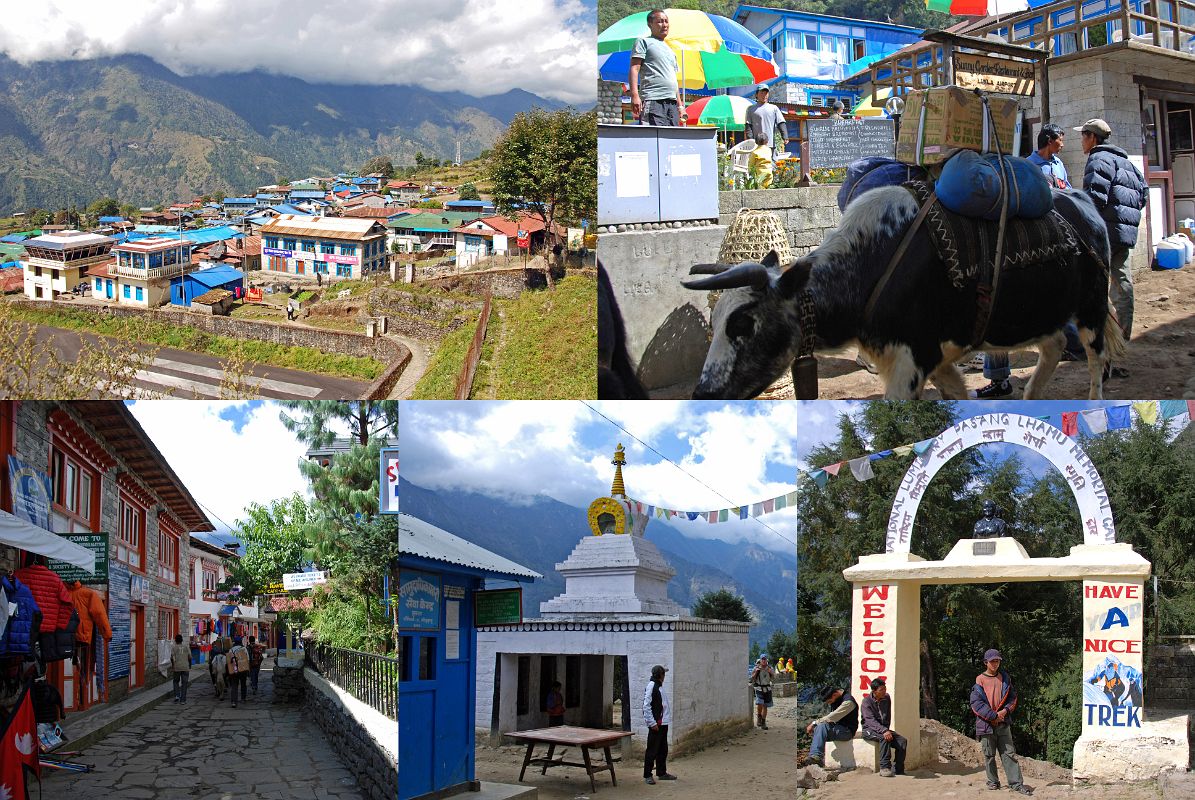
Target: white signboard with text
pixel 294 581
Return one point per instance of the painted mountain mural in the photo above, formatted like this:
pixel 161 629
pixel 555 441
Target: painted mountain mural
pixel 127 127
pixel 540 532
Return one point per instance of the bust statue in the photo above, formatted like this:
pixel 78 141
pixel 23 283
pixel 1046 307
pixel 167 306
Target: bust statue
pixel 990 525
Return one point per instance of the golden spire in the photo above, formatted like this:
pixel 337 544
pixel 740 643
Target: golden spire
pixel 617 489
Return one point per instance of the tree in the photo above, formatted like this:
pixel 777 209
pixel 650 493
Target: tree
pixel 379 164
pixel 722 604
pixel 469 192
pixel 419 159
pixel 276 543
pixel 543 165
pixel 104 207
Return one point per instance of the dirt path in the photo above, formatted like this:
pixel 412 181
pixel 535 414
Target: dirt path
pixel 498 320
pixel 757 764
pixel 420 355
pixel 1161 355
pixel 959 773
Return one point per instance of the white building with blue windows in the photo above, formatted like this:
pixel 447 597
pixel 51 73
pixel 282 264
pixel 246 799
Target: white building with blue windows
pixel 340 247
pixel 817 53
pixel 142 271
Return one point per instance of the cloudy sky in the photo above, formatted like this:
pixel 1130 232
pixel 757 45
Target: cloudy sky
pixel 480 47
pixel 726 454
pixel 227 454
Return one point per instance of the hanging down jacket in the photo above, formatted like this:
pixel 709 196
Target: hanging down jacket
pixel 52 597
pixel 24 623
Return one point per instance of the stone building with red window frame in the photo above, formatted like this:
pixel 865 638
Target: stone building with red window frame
pixel 211 612
pixel 107 476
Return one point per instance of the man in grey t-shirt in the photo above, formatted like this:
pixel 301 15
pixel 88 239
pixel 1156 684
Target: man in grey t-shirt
pixel 655 95
pixel 763 118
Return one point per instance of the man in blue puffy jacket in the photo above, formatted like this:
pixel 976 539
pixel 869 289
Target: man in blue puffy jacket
pixel 1119 191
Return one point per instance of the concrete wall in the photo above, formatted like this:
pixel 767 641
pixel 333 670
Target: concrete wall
pixel 668 325
pixel 366 740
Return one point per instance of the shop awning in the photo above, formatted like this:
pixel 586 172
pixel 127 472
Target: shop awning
pixel 25 536
pixel 227 611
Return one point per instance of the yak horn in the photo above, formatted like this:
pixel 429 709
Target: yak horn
pixel 748 273
pixel 708 269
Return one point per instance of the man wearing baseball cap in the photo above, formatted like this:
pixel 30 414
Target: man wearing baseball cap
pixel 1119 192
pixel 657 716
pixel 993 700
pixel 763 118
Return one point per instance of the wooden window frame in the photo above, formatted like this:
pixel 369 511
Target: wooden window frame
pixel 170 614
pixel 83 466
pixel 166 537
pixel 131 507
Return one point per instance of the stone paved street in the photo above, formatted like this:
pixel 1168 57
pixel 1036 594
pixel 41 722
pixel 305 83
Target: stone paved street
pixel 210 751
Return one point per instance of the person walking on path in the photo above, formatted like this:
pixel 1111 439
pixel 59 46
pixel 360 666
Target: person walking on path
pixel 993 700
pixel 180 664
pixel 238 671
pixel 657 715
pixel 764 118
pixel 761 683
pixel 655 94
pixel 839 725
pixel 256 656
pixel 1119 191
pixel 877 721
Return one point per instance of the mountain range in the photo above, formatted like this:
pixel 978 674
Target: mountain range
pixel 540 532
pixel 128 127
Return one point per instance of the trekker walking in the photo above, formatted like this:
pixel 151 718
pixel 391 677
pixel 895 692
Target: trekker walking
pixel 1119 191
pixel 256 656
pixel 655 94
pixel 993 700
pixel 877 719
pixel 839 725
pixel 761 682
pixel 180 664
pixel 657 715
pixel 238 670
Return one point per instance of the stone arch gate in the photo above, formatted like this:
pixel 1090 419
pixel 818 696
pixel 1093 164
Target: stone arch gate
pixel 1117 743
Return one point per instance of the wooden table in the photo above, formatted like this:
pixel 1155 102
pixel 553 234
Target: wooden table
pixel 566 735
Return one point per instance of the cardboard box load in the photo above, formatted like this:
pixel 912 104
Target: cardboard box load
pixel 939 121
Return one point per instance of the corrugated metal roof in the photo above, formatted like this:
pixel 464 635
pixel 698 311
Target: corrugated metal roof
pixel 419 538
pixel 216 276
pixel 330 227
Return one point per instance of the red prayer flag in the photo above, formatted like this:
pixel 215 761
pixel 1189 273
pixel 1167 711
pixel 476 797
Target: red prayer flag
pixel 833 469
pixel 19 748
pixel 1070 423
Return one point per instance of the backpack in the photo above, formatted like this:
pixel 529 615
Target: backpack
pixel 238 660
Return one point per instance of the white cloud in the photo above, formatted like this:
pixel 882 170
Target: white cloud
pixel 480 47
pixel 521 450
pixel 224 470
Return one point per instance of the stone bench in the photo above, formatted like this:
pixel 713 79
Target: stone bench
pixel 859 753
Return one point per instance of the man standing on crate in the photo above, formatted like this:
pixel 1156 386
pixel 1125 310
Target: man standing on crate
pixel 1119 192
pixel 655 94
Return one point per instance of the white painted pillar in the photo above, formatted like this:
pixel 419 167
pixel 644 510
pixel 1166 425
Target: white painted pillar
pixel 1113 622
pixel 886 642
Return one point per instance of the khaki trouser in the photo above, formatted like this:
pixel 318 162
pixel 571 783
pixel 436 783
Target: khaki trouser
pixel 1001 741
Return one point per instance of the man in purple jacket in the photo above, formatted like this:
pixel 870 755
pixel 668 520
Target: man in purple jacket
pixel 877 717
pixel 993 699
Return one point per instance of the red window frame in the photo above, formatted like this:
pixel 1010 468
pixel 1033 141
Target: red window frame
pixel 170 542
pixel 65 461
pixel 128 542
pixel 168 620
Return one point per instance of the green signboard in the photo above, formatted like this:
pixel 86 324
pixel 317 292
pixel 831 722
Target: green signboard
pixel 96 543
pixel 498 607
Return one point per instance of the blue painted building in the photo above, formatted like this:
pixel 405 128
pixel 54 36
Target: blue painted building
pixel 816 53
pixel 438 576
pixel 186 288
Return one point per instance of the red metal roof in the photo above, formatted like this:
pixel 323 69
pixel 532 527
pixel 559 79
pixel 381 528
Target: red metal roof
pixel 11 280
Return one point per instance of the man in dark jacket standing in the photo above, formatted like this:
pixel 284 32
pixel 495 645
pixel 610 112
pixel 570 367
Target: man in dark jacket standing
pixel 1119 192
pixel 657 715
pixel 877 719
pixel 993 699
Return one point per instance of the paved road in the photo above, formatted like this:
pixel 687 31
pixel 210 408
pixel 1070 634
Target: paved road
pixel 205 749
pixel 187 375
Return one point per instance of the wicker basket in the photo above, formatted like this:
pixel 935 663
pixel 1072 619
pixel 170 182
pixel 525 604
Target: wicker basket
pixel 752 235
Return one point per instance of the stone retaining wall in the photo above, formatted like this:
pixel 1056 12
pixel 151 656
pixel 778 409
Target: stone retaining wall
pixel 387 351
pixel 508 282
pixel 808 212
pixel 366 740
pixel 1169 679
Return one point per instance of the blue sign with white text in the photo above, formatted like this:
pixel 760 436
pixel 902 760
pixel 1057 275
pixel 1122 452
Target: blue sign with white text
pixel 120 619
pixel 418 601
pixel 31 493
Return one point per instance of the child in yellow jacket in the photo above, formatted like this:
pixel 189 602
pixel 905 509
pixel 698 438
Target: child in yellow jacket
pixel 759 164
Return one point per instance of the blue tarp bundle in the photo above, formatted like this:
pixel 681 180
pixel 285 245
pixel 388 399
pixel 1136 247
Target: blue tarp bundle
pixel 970 185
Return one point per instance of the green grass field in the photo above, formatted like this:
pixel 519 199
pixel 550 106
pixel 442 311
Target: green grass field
pixel 307 359
pixel 543 344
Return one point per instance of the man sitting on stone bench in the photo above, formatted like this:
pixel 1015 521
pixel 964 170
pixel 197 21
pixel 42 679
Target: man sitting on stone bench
pixel 877 717
pixel 837 726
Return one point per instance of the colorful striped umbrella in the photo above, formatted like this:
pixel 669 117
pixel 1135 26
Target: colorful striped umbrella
pixel 725 111
pixel 977 8
pixel 712 52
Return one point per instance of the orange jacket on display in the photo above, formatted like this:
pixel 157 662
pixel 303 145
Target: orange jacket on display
pixel 91 613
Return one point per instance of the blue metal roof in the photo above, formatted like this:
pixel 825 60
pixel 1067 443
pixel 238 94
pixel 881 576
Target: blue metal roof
pixel 111 219
pixel 217 276
pixel 286 208
pixel 214 234
pixel 13 238
pixel 240 201
pixel 307 194
pixel 227 611
pixel 468 203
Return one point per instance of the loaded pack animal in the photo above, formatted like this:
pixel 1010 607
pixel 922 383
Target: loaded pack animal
pixel 218 668
pixel 878 281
